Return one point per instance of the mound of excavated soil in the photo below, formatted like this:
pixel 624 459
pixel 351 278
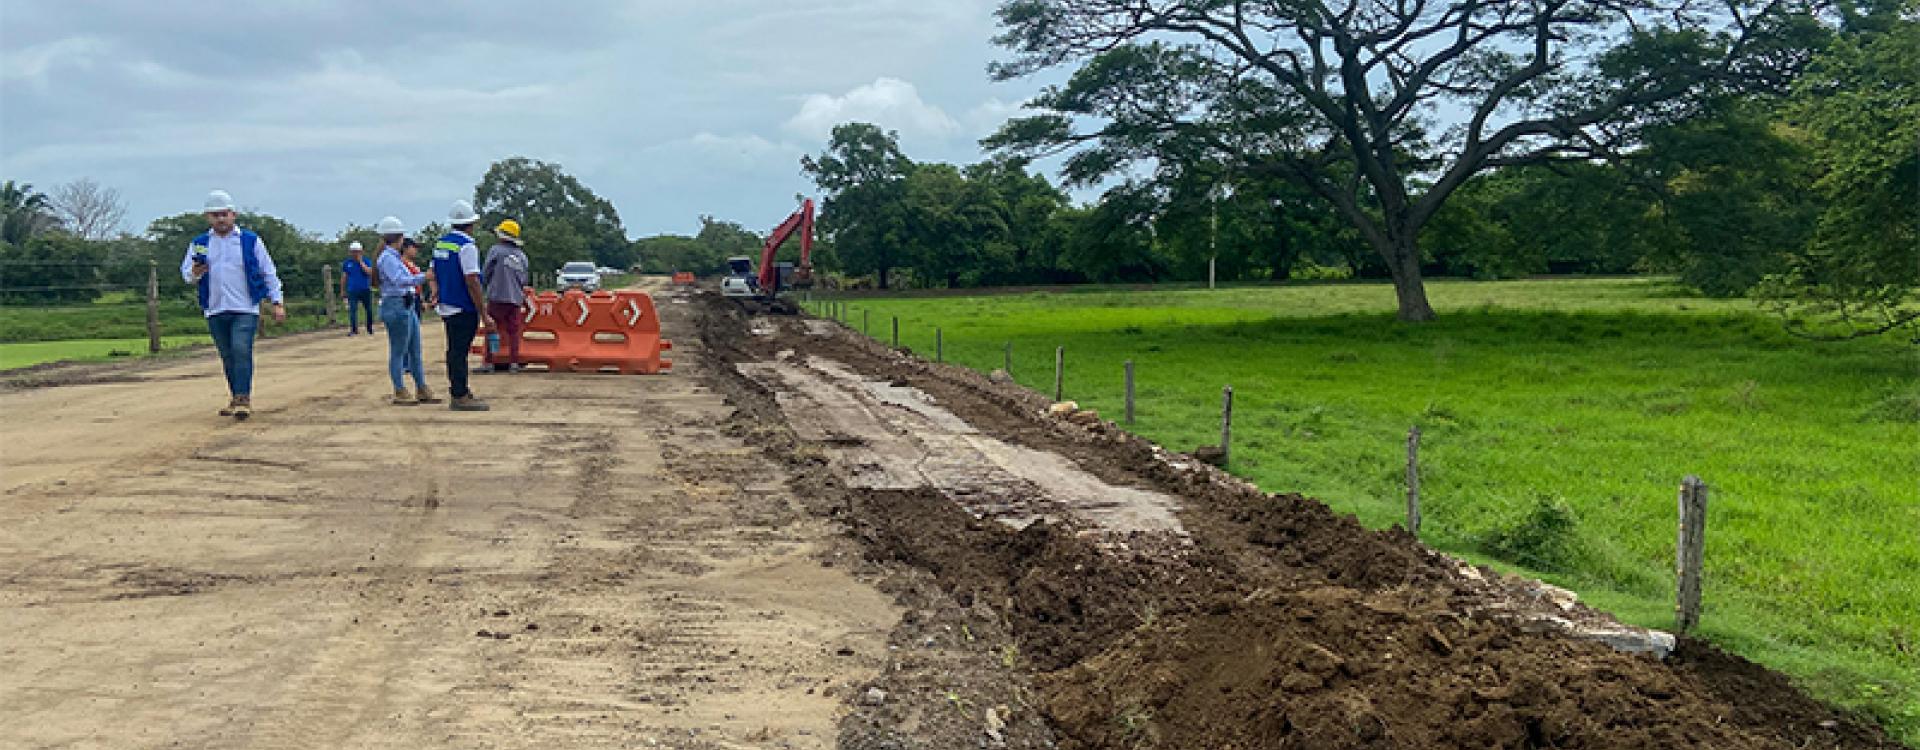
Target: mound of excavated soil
pixel 1278 623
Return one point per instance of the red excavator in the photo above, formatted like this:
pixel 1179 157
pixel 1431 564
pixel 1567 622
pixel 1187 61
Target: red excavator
pixel 761 292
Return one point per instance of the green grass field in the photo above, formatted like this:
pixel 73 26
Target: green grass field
pixel 31 335
pixel 29 353
pixel 1559 418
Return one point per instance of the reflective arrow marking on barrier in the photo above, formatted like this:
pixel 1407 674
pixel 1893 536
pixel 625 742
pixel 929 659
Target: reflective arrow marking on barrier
pixel 531 311
pixel 583 313
pixel 633 310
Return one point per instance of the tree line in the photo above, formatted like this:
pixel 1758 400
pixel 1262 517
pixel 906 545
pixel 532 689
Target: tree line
pixel 1763 148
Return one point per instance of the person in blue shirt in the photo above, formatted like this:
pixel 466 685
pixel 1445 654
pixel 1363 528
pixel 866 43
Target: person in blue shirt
pixel 359 288
pixel 234 274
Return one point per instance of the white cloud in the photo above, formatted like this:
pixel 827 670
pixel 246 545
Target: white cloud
pixel 32 64
pixel 888 102
pixel 987 117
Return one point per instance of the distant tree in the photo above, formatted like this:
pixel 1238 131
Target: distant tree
pixel 24 212
pixel 1859 275
pixel 51 268
pixel 862 174
pixel 88 209
pixel 297 255
pixel 1339 96
pixel 539 195
pixel 952 227
pixel 1112 241
pixel 1025 205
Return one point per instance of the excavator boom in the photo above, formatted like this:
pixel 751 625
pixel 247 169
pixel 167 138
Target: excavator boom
pixel 800 222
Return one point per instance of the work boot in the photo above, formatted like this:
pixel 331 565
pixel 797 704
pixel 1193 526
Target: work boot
pixel 242 407
pixel 402 398
pixel 427 397
pixel 467 403
pixel 231 401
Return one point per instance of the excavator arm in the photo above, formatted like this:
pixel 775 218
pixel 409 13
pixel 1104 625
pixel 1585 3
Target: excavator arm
pixel 800 222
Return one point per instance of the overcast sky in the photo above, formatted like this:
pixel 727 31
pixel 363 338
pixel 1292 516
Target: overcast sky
pixel 329 113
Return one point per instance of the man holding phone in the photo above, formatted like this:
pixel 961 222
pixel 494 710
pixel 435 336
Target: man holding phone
pixel 234 274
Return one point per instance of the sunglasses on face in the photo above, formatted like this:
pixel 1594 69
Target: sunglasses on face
pixel 219 214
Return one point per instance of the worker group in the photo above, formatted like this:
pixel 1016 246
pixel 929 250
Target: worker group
pixel 234 274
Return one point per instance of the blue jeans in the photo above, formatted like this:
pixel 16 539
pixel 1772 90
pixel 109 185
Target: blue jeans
pixel 356 300
pixel 233 336
pixel 403 342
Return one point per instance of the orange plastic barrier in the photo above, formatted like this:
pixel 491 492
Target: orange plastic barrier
pixel 579 332
pixel 683 278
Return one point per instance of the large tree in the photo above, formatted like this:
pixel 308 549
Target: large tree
pixel 541 196
pixel 862 175
pixel 1383 107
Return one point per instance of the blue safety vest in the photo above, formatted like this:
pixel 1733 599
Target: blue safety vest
pixel 256 280
pixel 446 269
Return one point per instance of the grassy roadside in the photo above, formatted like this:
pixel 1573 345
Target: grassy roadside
pixel 29 353
pixel 38 335
pixel 1559 417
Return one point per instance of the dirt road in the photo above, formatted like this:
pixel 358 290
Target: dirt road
pixel 591 564
pixel 799 539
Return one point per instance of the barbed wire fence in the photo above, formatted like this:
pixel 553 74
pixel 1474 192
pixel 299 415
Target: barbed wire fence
pixel 1689 569
pixel 133 297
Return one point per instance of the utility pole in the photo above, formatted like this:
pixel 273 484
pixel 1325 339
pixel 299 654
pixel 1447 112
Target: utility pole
pixel 1213 235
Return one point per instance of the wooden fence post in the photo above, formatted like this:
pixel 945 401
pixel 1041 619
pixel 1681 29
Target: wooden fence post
pixel 896 331
pixel 1413 481
pixel 866 318
pixel 1226 426
pixel 326 280
pixel 153 306
pixel 1692 550
pixel 939 346
pixel 1009 360
pixel 1129 391
pixel 1059 373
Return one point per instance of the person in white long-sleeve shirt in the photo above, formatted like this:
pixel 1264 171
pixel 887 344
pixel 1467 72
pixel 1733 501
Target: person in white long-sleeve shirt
pixel 234 274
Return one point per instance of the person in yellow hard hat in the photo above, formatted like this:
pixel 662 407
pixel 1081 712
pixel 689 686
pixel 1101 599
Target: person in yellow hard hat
pixel 507 282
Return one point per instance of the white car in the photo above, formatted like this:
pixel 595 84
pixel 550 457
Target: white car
pixel 578 273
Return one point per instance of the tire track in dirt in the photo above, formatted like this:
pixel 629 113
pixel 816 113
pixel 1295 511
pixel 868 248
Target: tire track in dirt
pixel 598 562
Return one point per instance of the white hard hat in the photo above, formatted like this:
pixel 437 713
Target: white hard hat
pixel 218 200
pixel 462 213
pixel 354 245
pixel 391 225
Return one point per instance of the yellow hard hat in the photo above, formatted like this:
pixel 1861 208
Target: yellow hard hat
pixel 508 228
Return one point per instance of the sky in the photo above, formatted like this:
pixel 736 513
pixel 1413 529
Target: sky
pixel 336 113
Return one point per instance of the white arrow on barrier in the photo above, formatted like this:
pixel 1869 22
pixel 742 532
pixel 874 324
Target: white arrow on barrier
pixel 633 310
pixel 583 313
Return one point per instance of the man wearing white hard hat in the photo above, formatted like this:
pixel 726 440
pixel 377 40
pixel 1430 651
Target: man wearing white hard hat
pixel 234 274
pixel 462 308
pixel 358 287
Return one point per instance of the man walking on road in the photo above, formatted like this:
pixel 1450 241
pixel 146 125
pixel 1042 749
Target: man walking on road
pixel 456 267
pixel 505 276
pixel 234 274
pixel 359 288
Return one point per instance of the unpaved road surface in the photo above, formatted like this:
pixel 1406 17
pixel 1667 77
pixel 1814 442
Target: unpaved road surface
pixel 798 539
pixel 591 564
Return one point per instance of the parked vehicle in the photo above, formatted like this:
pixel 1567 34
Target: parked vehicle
pixel 579 273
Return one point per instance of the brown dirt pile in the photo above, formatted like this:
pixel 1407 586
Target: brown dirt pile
pixel 1282 624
